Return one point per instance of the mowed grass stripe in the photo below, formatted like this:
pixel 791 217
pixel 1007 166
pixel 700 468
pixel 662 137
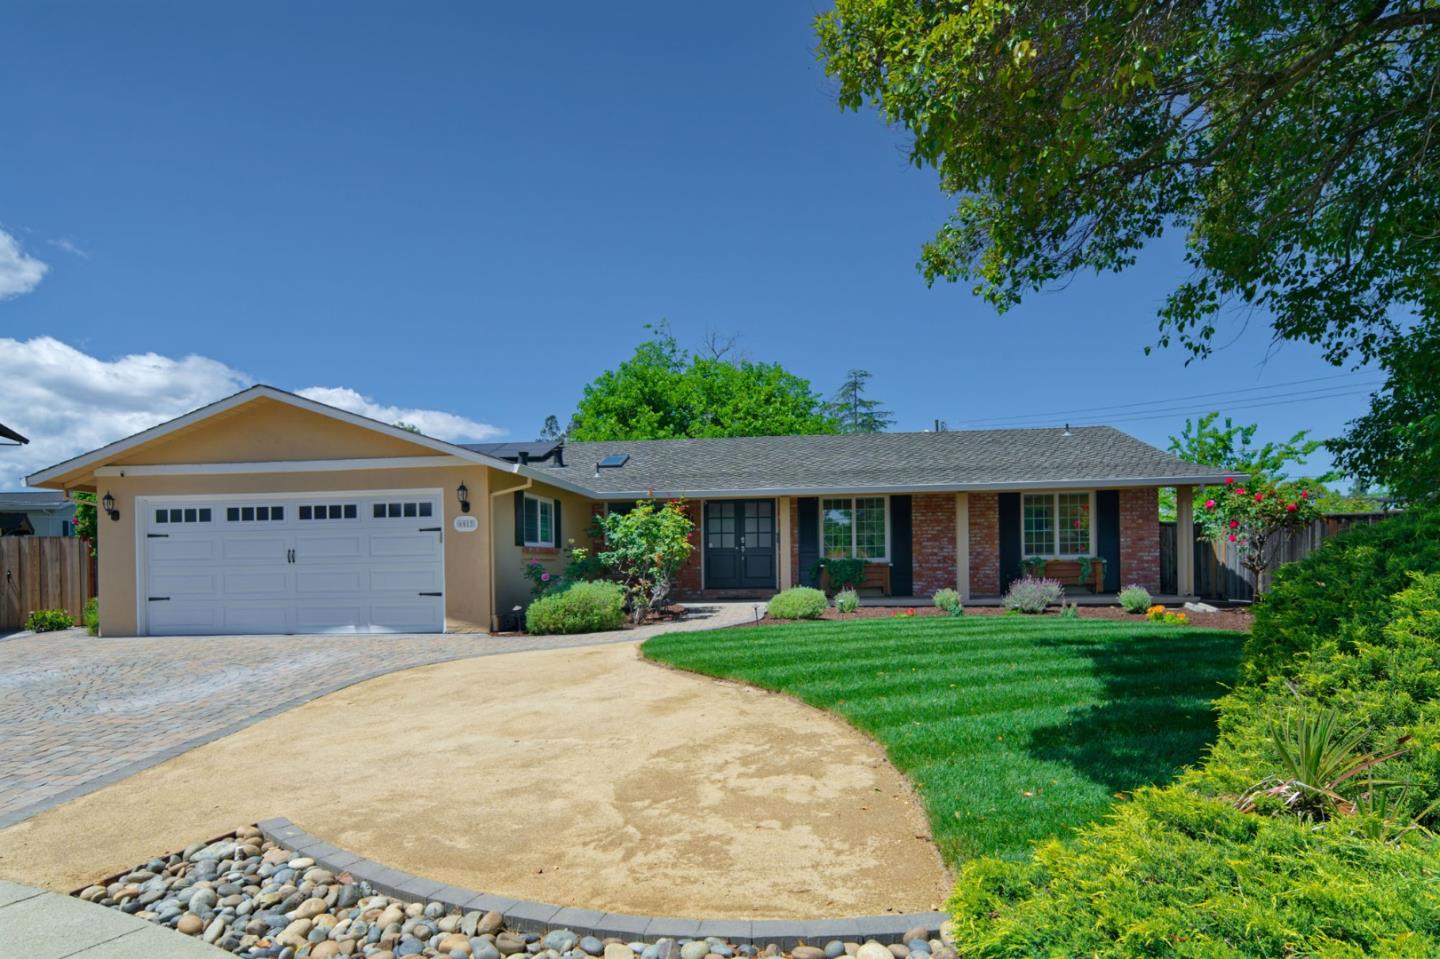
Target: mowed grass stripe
pixel 1012 729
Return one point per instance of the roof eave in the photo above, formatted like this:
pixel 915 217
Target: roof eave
pixel 1108 482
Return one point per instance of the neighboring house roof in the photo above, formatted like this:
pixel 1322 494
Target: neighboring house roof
pixel 34 501
pixel 9 434
pixel 882 462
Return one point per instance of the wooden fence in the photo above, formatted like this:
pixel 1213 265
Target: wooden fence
pixel 43 572
pixel 1218 573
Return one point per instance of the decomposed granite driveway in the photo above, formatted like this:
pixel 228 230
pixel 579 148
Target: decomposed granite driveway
pixel 79 712
pixel 586 777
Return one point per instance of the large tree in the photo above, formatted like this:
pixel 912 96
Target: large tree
pixel 1294 141
pixel 663 392
pixel 857 412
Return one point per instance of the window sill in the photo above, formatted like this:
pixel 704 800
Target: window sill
pixel 540 550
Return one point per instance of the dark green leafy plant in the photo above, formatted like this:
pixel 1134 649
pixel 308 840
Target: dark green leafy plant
pixel 1033 566
pixel 48 620
pixel 91 616
pixel 841 572
pixel 582 608
pixel 645 549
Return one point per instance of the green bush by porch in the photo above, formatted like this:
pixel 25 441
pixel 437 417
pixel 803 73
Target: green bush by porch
pixel 1013 730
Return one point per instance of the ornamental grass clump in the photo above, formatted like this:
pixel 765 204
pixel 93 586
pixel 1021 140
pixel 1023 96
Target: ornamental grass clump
pixel 580 608
pixel 847 601
pixel 1030 594
pixel 1134 599
pixel 798 602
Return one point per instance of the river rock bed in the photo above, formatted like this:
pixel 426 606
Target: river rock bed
pixel 257 899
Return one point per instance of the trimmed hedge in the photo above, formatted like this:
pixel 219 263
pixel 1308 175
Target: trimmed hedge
pixel 1352 577
pixel 1181 871
pixel 798 602
pixel 580 608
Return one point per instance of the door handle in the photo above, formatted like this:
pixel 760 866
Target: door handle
pixel 289 556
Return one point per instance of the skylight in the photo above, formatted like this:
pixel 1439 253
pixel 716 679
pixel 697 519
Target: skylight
pixel 614 461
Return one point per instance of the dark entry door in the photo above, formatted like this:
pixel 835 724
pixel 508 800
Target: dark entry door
pixel 740 544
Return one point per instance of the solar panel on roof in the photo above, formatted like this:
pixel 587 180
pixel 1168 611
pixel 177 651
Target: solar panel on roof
pixel 615 460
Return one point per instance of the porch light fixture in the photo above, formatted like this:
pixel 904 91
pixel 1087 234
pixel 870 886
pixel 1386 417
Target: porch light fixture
pixel 462 493
pixel 108 503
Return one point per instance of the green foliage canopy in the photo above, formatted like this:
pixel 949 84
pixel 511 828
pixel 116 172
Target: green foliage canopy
pixel 662 393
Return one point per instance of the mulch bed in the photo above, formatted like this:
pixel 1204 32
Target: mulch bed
pixel 1237 618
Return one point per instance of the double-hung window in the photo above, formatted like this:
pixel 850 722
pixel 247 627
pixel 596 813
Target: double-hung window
pixel 1058 524
pixel 855 526
pixel 539 521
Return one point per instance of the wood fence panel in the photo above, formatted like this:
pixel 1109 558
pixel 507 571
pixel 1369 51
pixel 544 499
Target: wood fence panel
pixel 43 572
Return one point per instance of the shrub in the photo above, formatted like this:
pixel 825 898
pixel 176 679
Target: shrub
pixel 91 616
pixel 1031 595
pixel 841 572
pixel 1134 599
pixel 582 608
pixel 847 601
pixel 1352 577
pixel 949 600
pixel 645 549
pixel 49 620
pixel 798 602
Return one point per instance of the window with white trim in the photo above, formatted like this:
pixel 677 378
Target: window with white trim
pixel 419 510
pixel 1058 524
pixel 539 521
pixel 855 526
pixel 187 515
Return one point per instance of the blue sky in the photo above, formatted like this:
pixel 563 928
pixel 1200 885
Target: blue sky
pixel 472 209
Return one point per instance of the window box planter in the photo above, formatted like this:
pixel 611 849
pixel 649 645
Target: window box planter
pixel 1068 572
pixel 877 577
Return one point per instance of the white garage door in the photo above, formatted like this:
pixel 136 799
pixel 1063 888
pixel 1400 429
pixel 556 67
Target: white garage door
pixel 312 563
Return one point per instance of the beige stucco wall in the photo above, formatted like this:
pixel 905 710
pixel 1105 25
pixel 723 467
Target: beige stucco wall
pixel 467 555
pixel 512 588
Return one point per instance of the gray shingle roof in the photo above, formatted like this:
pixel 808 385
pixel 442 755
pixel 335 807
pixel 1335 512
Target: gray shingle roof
pixel 972 459
pixel 23 500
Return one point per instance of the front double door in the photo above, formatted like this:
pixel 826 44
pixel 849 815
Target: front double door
pixel 740 544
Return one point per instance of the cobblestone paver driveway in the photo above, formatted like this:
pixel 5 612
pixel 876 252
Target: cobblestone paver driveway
pixel 77 712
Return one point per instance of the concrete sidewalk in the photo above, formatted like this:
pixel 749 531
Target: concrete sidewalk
pixel 36 924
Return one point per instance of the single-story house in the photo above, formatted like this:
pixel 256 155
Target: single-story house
pixel 36 513
pixel 266 512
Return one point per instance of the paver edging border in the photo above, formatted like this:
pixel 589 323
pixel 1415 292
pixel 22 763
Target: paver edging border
pixel 529 916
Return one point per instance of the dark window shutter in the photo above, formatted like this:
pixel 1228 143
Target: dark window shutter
pixel 902 565
pixel 1010 541
pixel 1107 535
pixel 807 513
pixel 556 524
pixel 519 518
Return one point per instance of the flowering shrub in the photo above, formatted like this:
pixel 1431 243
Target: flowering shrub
pixel 542 581
pixel 1248 518
pixel 1031 595
pixel 903 613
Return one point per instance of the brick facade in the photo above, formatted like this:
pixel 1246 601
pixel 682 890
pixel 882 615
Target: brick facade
pixel 688 583
pixel 932 530
pixel 1140 538
pixel 984 544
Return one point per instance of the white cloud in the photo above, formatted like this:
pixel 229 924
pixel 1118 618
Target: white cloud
pixel 436 423
pixel 19 271
pixel 69 246
pixel 68 402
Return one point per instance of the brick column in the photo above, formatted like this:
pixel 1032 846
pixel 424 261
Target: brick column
pixel 1140 537
pixel 932 525
pixel 984 544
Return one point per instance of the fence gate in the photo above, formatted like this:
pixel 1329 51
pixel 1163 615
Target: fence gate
pixel 43 572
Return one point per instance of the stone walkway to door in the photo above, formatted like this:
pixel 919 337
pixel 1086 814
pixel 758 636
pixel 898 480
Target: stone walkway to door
pixel 81 712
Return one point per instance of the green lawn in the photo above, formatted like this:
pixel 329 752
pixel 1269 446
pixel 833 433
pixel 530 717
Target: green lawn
pixel 1012 729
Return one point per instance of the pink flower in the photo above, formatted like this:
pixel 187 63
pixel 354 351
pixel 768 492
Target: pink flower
pixel 544 577
pixel 1234 524
pixel 1232 537
pixel 1209 504
pixel 1304 494
pixel 1076 524
pixel 1240 491
pixel 1229 481
pixel 1259 497
pixel 1291 507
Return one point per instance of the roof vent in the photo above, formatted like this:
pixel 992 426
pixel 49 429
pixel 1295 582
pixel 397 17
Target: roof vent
pixel 524 457
pixel 1067 431
pixel 559 454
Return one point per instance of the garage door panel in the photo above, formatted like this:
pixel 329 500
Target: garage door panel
pixel 351 571
pixel 329 581
pixel 402 579
pixel 172 550
pixel 248 547
pixel 251 582
pixel 404 617
pixel 330 618
pixel 259 618
pixel 412 544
